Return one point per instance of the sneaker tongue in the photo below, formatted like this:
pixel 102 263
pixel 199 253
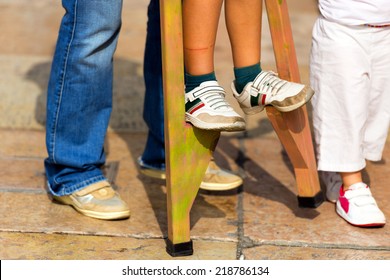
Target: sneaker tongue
pixel 357 186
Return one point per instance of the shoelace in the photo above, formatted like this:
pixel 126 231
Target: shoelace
pixel 270 83
pixel 215 97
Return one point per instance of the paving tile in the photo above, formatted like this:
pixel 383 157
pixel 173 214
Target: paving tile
pixel 23 192
pixel 25 63
pixel 267 252
pixel 274 227
pixel 220 210
pixel 32 246
pixel 31 36
pixel 271 213
pixel 22 175
pixel 30 74
pixel 36 28
pixel 22 144
pixel 148 207
pixel 20 96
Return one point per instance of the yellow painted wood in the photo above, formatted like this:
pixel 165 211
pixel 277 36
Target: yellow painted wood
pixel 292 128
pixel 188 150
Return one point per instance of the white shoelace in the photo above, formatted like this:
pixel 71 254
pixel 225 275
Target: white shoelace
pixel 214 96
pixel 268 82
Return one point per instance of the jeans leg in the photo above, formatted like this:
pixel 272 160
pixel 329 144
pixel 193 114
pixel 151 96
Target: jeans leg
pixel 154 153
pixel 80 94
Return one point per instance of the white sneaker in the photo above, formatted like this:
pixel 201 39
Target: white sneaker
pixel 268 89
pixel 357 206
pixel 206 108
pixel 333 182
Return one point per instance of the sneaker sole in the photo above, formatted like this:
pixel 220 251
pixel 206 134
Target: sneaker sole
pixel 237 126
pixel 252 110
pixel 219 187
pixel 331 200
pixel 104 216
pixel 342 214
pixel 309 95
pixel 93 214
pixel 204 186
pixel 153 173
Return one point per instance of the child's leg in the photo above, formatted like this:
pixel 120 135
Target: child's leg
pixel 243 22
pixel 340 108
pixel 378 118
pixel 340 103
pixel 254 88
pixel 375 133
pixel 350 178
pixel 200 23
pixel 206 107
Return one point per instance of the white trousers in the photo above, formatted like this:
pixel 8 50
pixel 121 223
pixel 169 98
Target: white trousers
pixel 350 73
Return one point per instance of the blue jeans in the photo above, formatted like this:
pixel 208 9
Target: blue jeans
pixel 154 153
pixel 79 98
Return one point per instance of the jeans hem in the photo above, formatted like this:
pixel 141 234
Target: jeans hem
pixel 67 190
pixel 144 164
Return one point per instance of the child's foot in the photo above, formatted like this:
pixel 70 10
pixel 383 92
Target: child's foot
pixel 333 182
pixel 268 89
pixel 357 206
pixel 206 108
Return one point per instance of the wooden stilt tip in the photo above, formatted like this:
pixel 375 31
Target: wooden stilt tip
pixel 311 202
pixel 179 250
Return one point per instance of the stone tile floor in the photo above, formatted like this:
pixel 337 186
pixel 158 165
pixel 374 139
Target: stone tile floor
pixel 261 220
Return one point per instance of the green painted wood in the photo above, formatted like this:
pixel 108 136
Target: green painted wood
pixel 188 150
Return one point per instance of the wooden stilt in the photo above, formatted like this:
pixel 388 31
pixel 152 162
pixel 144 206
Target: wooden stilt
pixel 292 128
pixel 189 150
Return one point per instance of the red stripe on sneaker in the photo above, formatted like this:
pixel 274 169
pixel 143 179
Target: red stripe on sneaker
pixel 263 99
pixel 344 203
pixel 343 200
pixel 197 108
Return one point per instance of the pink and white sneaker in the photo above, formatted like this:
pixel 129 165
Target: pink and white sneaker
pixel 357 206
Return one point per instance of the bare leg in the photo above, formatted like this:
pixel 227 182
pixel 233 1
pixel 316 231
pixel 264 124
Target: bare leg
pixel 350 178
pixel 200 24
pixel 243 22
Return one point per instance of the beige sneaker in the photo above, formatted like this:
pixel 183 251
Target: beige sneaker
pixel 218 179
pixel 98 201
pixel 215 178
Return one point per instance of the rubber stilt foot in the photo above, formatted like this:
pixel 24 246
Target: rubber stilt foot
pixel 180 249
pixel 311 202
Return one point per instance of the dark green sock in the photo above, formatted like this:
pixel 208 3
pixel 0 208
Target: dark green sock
pixel 245 75
pixel 194 81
